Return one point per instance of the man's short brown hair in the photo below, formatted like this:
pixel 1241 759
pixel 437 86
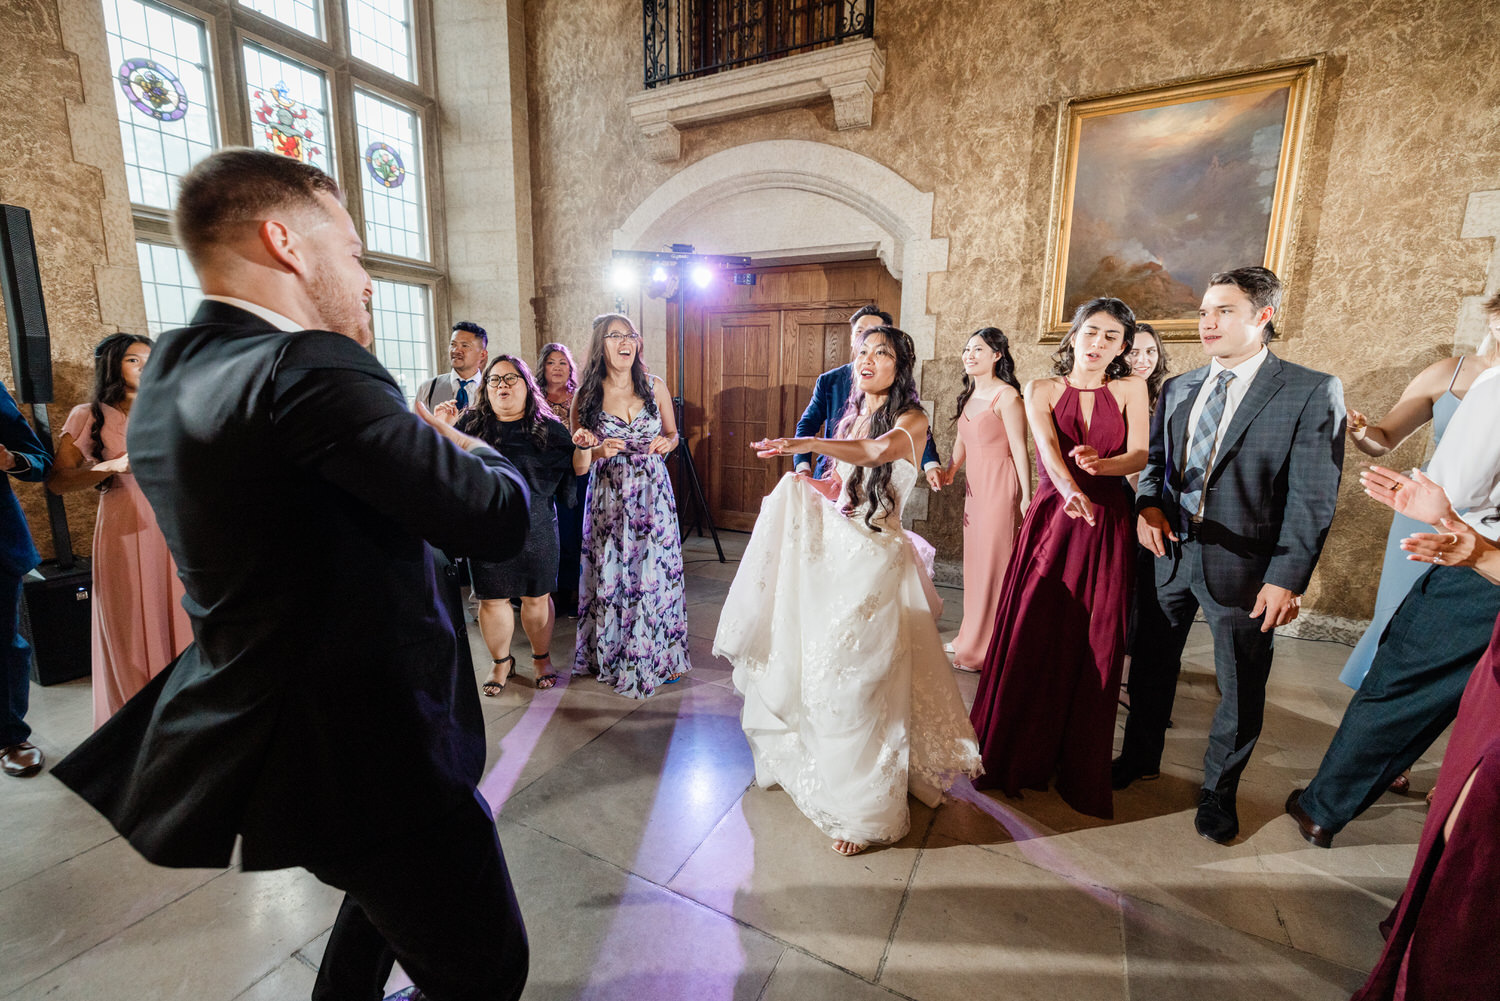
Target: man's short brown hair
pixel 1261 287
pixel 238 185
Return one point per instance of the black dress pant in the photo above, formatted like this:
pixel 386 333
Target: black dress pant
pixel 436 896
pixel 1411 694
pixel 1242 663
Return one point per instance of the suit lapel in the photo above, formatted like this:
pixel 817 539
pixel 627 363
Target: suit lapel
pixel 1268 383
pixel 1177 420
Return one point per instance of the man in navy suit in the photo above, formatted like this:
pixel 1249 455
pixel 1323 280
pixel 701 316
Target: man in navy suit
pixel 831 395
pixel 23 456
pixel 1235 502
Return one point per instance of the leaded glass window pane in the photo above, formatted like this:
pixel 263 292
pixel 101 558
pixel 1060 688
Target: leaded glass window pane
pixel 170 286
pixel 163 95
pixel 380 34
pixel 288 107
pixel 395 200
pixel 304 15
pixel 402 317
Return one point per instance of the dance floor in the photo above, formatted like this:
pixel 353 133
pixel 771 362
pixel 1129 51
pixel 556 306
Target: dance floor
pixel 649 867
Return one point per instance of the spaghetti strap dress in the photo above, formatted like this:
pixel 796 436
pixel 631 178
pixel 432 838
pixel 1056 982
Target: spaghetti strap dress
pixel 992 516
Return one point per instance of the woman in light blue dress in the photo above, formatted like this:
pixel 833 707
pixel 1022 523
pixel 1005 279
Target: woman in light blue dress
pixel 1432 396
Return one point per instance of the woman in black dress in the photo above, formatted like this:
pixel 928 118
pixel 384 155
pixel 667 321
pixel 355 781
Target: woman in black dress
pixel 512 416
pixel 557 374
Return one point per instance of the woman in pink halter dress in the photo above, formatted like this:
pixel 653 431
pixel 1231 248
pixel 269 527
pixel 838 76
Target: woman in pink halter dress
pixel 1049 685
pixel 991 424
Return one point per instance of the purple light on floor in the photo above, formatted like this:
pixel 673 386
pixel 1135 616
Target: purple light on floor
pixel 517 746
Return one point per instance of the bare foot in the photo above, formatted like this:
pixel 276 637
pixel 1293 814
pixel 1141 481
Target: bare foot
pixel 848 847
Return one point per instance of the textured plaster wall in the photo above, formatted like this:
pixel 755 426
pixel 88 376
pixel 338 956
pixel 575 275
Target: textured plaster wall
pixel 486 173
pixel 1408 126
pixel 64 162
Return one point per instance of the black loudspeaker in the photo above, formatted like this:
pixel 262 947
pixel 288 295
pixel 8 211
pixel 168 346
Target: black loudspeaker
pixel 57 609
pixel 25 313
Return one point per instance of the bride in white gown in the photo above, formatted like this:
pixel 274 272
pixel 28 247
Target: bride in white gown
pixel 831 623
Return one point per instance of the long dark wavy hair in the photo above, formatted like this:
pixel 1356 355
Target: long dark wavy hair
pixel 1119 368
pixel 870 488
pixel 1157 375
pixel 481 421
pixel 109 386
pixel 1004 370
pixel 541 366
pixel 590 399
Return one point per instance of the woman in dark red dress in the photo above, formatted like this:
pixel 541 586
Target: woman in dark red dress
pixel 1049 685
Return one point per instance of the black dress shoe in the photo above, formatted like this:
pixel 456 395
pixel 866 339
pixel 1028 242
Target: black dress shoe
pixel 1318 837
pixel 20 760
pixel 1217 820
pixel 1122 772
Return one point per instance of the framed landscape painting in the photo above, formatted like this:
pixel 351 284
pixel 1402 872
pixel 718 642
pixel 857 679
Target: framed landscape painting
pixel 1158 189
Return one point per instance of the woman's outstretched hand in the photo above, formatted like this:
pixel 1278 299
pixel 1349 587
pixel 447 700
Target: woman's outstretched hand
pixel 1415 496
pixel 770 448
pixel 584 438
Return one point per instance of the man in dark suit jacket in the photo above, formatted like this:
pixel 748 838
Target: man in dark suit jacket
pixel 831 395
pixel 1235 501
pixel 23 456
pixel 319 715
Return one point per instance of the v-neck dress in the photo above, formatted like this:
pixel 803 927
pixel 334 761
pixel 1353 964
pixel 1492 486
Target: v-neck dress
pixel 632 621
pixel 1049 686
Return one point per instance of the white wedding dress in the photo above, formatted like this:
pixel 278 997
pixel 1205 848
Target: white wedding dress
pixel 832 630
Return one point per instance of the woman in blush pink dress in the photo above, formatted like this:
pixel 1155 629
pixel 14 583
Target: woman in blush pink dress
pixel 139 622
pixel 991 421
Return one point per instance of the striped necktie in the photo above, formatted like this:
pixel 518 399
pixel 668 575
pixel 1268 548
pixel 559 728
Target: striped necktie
pixel 462 399
pixel 1201 449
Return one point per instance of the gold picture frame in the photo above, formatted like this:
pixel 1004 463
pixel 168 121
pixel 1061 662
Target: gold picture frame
pixel 1157 188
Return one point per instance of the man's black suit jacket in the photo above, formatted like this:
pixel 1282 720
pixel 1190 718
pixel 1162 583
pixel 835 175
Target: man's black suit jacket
pixel 320 701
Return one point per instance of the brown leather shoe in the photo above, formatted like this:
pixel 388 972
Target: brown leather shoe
pixel 1311 833
pixel 21 760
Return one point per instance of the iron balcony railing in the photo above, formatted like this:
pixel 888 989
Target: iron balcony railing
pixel 687 39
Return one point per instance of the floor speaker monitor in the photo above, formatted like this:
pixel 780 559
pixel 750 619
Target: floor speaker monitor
pixel 25 313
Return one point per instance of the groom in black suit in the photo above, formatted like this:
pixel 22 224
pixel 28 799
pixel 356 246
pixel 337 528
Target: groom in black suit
pixel 319 715
pixel 1235 502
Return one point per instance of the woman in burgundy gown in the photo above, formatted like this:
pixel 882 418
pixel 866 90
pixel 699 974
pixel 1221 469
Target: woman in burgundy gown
pixel 1050 681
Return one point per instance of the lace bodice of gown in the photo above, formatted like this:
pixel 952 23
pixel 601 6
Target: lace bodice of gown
pixel 904 476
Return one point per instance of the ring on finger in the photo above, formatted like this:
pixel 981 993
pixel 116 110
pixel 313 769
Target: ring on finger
pixel 1452 539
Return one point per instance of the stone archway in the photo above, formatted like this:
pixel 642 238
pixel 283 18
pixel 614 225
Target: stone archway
pixel 787 200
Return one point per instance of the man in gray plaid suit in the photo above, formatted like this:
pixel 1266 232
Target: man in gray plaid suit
pixel 1235 501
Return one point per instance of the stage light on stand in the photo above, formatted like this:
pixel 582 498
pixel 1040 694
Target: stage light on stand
pixel 701 274
pixel 659 274
pixel 624 276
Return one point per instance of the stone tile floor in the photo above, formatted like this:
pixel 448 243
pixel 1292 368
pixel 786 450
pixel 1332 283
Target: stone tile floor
pixel 649 867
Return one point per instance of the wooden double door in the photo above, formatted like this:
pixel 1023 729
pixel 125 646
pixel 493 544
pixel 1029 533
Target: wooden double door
pixel 753 354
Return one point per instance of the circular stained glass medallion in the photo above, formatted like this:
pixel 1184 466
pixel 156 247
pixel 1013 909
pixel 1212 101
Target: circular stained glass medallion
pixel 153 90
pixel 384 165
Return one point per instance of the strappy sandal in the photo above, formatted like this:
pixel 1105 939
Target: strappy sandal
pixel 492 687
pixel 543 681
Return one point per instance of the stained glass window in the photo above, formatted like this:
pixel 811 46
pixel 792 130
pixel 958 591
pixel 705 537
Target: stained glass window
pixel 288 107
pixel 380 34
pixel 163 95
pixel 402 318
pixel 300 14
pixel 171 288
pixel 395 200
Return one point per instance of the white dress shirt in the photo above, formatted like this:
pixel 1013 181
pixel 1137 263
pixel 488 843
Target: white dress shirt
pixel 1467 461
pixel 1244 375
pixel 272 317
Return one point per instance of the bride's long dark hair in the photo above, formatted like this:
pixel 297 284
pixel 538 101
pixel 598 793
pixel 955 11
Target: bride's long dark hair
pixel 870 488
